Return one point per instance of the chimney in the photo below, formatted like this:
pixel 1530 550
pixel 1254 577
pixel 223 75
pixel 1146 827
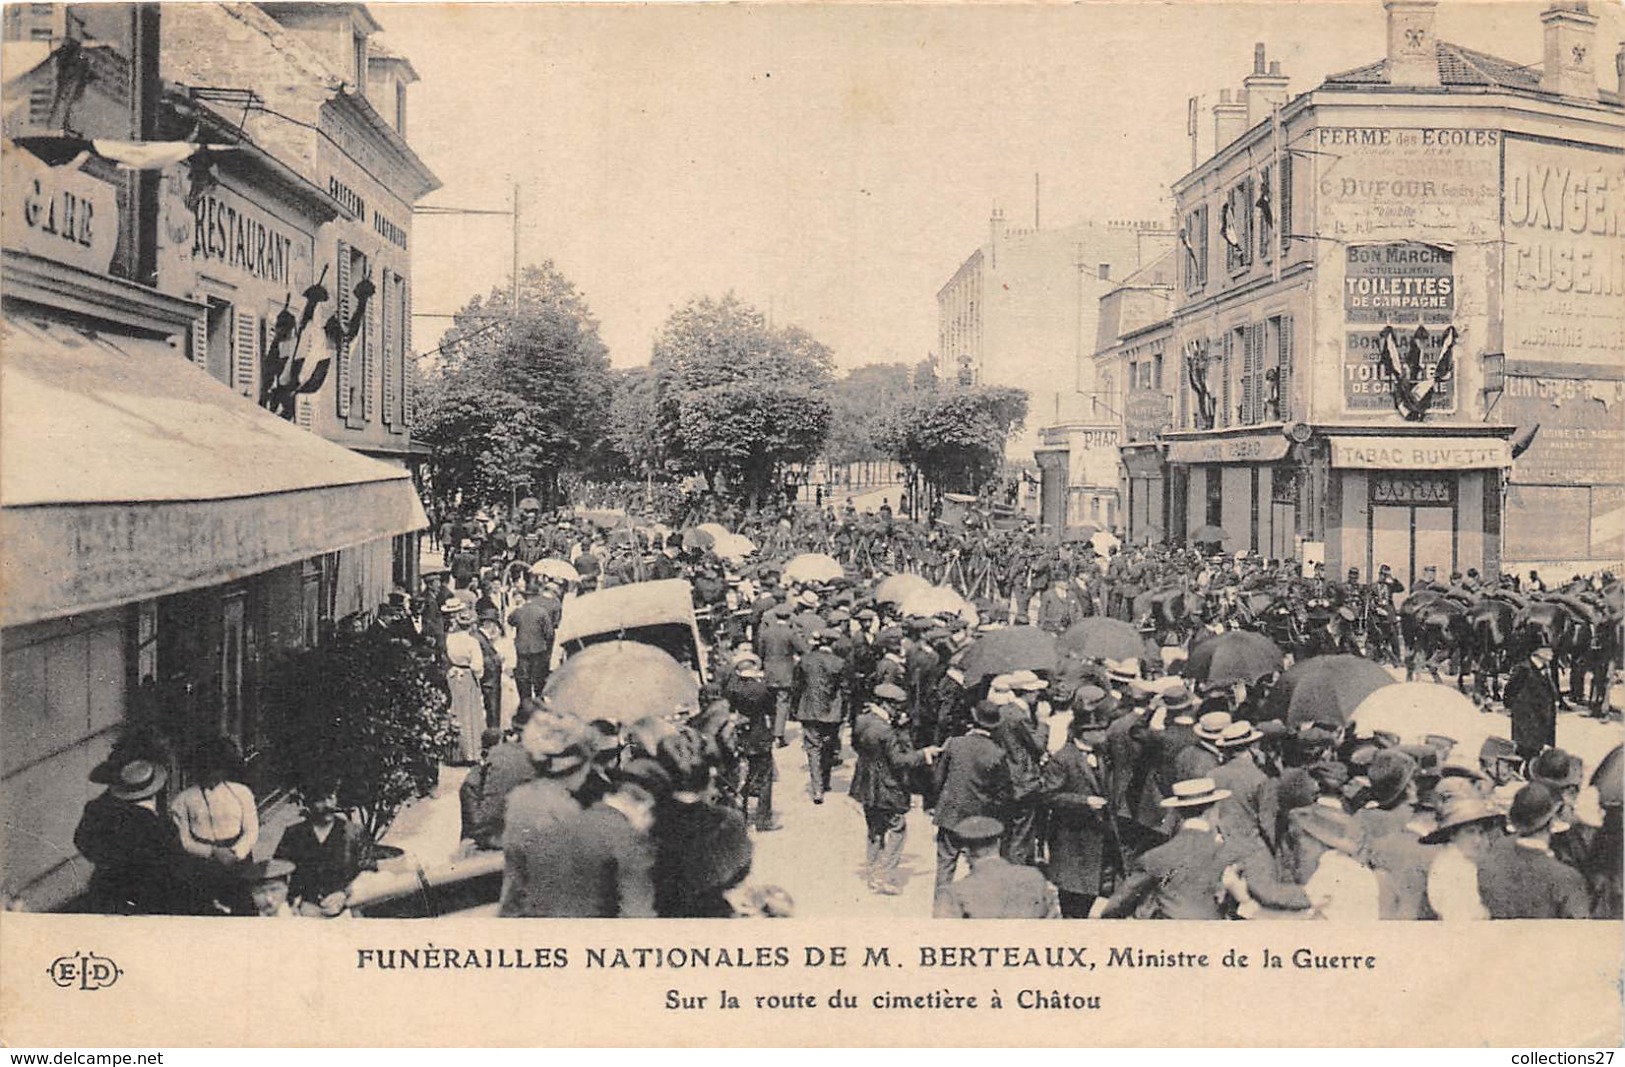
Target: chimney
pixel 1570 69
pixel 1265 88
pixel 1229 121
pixel 1413 57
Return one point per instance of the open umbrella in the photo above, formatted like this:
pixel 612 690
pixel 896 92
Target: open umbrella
pixel 813 567
pixel 1209 535
pixel 932 600
pixel 715 530
pixel 530 503
pixel 555 568
pixel 892 590
pixel 696 538
pixel 1104 542
pixel 1234 656
pixel 1325 690
pixel 1413 710
pixel 1013 649
pixel 1102 637
pixel 622 681
pixel 733 548
pixel 1608 780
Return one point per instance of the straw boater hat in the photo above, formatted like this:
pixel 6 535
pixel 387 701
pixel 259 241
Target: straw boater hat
pixel 1195 792
pixel 1211 727
pixel 1238 735
pixel 138 780
pixel 1026 681
pixel 1122 670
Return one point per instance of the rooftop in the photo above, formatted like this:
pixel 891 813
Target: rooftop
pixel 1460 68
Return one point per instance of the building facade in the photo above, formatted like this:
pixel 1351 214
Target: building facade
pixel 171 522
pixel 1386 284
pixel 1022 311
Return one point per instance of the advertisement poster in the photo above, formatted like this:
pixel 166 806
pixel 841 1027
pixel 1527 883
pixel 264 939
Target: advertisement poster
pixel 1409 287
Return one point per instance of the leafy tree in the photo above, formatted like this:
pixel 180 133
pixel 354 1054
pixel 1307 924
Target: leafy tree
pixel 862 403
pixel 955 437
pixel 516 399
pixel 736 399
pixel 366 711
pixel 634 432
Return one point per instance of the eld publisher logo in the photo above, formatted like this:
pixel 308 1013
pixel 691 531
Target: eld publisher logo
pixel 84 971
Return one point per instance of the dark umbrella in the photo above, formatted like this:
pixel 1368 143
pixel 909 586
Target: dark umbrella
pixel 1325 690
pixel 1209 535
pixel 1236 656
pixel 1102 637
pixel 1013 649
pixel 622 681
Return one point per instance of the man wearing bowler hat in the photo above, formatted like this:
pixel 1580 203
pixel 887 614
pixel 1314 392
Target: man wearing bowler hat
pixel 972 777
pixel 1520 878
pixel 1074 789
pixel 995 887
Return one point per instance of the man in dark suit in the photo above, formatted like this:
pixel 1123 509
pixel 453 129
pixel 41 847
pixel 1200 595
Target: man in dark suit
pixel 1183 878
pixel 779 646
pixel 1532 701
pixel 752 701
pixel 995 887
pixel 565 858
pixel 533 630
pixel 922 667
pixel 817 682
pixel 486 633
pixel 1074 793
pixel 1520 878
pixel 880 783
pixel 972 778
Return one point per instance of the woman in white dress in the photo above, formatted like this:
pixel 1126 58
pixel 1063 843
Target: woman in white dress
pixel 466 664
pixel 218 821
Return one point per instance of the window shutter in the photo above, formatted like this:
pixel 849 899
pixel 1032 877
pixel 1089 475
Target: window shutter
pixel 341 357
pixel 386 338
pixel 369 359
pixel 198 343
pixel 1283 358
pixel 1283 210
pixel 407 363
pixel 1253 395
pixel 1224 376
pixel 1202 249
pixel 247 340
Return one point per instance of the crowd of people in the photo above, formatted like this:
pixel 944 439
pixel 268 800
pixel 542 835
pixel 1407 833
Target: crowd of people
pixel 1078 786
pixel 1061 780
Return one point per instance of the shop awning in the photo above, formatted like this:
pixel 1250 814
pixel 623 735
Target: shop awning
pixel 1420 453
pixel 128 473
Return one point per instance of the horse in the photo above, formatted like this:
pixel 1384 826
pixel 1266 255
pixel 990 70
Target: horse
pixel 1432 625
pixel 1489 627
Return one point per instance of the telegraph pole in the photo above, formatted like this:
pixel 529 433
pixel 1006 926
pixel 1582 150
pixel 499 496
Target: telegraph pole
pixel 515 308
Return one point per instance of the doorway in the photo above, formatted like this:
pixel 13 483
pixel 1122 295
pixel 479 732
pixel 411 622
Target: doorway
pixel 1411 537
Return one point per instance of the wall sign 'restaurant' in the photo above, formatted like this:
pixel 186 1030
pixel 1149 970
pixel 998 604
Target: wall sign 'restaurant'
pixel 1420 453
pixel 59 213
pixel 232 234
